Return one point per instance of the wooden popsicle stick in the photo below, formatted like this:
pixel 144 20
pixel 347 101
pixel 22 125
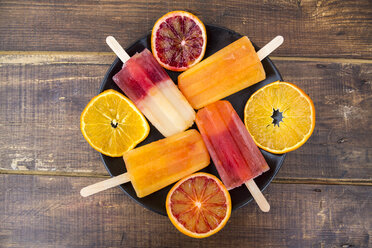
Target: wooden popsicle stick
pixel 270 47
pixel 106 184
pixel 117 49
pixel 257 195
pixel 251 185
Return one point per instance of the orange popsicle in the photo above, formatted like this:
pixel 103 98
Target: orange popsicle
pixel 233 68
pixel 158 164
pixel 154 166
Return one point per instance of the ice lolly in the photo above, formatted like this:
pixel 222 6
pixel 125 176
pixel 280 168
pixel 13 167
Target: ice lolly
pixel 147 84
pixel 233 151
pixel 231 69
pixel 158 164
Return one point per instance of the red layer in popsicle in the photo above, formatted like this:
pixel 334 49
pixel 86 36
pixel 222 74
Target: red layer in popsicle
pixel 139 74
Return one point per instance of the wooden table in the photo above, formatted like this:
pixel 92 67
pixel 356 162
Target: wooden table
pixel 52 60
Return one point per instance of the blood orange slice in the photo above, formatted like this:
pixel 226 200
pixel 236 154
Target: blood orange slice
pixel 199 205
pixel 178 40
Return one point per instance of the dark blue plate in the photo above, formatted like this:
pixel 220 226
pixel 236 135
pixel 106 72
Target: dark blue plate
pixel 217 38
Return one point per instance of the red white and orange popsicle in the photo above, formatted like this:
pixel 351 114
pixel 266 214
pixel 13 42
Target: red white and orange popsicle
pixel 147 84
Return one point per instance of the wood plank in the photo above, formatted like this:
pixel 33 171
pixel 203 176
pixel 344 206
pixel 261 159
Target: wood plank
pixel 43 211
pixel 341 144
pixel 42 96
pixel 41 99
pixel 311 28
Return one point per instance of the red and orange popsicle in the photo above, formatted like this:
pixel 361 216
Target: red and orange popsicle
pixel 234 153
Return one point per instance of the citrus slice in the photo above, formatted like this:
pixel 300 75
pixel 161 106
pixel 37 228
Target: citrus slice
pixel 199 205
pixel 112 124
pixel 280 117
pixel 178 40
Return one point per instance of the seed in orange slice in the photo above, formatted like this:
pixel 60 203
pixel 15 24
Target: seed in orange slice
pixel 112 124
pixel 199 205
pixel 280 117
pixel 178 40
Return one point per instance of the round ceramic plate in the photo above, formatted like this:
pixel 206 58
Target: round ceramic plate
pixel 217 38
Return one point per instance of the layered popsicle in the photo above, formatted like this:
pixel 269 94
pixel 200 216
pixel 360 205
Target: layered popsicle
pixel 158 164
pixel 231 147
pixel 147 84
pixel 231 69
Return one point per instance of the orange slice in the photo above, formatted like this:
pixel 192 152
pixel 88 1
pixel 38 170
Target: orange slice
pixel 199 205
pixel 112 124
pixel 178 40
pixel 280 117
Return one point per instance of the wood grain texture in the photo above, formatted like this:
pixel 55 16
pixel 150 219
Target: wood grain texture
pixel 327 52
pixel 314 28
pixel 41 99
pixel 42 96
pixel 42 211
pixel 341 145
